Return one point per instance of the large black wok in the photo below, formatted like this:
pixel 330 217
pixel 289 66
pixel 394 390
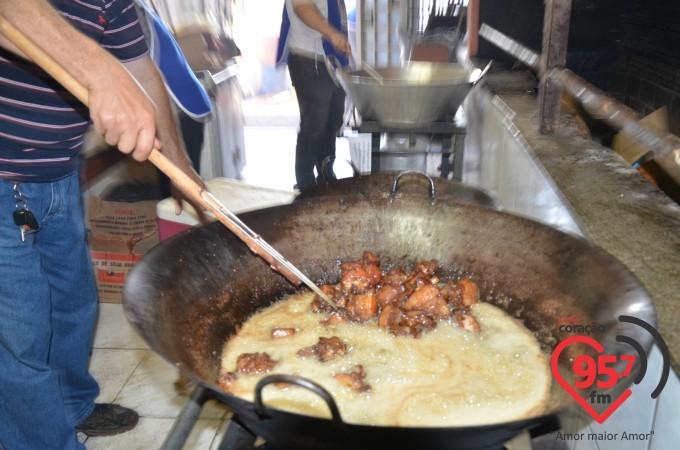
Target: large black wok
pixel 409 183
pixel 189 294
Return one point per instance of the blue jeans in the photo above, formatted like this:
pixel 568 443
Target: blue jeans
pixel 322 105
pixel 48 307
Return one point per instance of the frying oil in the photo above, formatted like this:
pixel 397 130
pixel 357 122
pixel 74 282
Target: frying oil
pixel 447 377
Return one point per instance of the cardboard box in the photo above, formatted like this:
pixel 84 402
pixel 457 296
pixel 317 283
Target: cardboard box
pixel 632 150
pixel 120 234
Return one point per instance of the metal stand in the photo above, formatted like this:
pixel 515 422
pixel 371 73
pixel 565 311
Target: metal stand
pixel 452 136
pixel 237 437
pixel 186 420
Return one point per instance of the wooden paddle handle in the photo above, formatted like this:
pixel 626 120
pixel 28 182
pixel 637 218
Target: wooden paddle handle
pixel 192 190
pixel 185 183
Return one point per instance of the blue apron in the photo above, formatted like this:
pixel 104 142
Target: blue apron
pixel 185 89
pixel 334 18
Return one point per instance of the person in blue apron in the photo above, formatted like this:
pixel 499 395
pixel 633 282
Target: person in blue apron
pixel 311 30
pixel 191 102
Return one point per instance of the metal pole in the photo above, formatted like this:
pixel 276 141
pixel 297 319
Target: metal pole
pixel 512 47
pixel 597 103
pixel 601 106
pixel 359 32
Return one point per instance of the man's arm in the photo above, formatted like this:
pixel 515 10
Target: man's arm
pixel 312 17
pixel 119 108
pixel 147 74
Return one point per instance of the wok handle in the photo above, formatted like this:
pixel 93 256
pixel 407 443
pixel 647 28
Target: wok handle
pixel 415 173
pixel 332 65
pixel 187 185
pixel 261 409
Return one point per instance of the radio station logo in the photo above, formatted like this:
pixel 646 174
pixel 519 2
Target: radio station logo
pixel 595 376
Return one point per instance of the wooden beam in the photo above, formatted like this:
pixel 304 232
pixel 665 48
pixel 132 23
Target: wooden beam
pixel 555 39
pixel 472 28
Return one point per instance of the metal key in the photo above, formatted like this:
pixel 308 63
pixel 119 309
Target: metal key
pixel 26 221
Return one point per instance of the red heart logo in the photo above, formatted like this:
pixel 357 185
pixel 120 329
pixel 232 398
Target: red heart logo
pixel 600 418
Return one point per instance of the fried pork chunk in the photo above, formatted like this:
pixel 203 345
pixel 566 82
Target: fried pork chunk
pixel 247 363
pixel 333 292
pixel 361 307
pixel 467 322
pixel 403 323
pixel 334 319
pixel 459 294
pixel 326 349
pixel 429 300
pixel 250 363
pixel 360 276
pixel 226 381
pixel 355 380
pixel 395 277
pixel 406 304
pixel 278 333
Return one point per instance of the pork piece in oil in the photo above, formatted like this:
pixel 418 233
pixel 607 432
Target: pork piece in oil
pixel 405 323
pixel 360 276
pixel 416 280
pixel 466 322
pixel 326 349
pixel 320 305
pixel 429 268
pixel 333 319
pixel 246 363
pixel 461 293
pixel 354 380
pixel 395 277
pixel 278 333
pixel 406 304
pixel 361 307
pixel 428 299
pixel 226 381
pixel 469 291
pixel 390 294
pixel 252 363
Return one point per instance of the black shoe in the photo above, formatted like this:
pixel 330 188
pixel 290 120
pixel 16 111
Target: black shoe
pixel 108 419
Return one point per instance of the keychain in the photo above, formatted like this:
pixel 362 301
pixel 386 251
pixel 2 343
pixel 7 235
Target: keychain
pixel 23 217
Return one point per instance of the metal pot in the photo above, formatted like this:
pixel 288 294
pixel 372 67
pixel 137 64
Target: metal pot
pixel 410 183
pixel 189 294
pixel 416 93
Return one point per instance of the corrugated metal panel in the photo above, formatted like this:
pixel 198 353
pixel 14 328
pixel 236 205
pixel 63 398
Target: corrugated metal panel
pixel 378 32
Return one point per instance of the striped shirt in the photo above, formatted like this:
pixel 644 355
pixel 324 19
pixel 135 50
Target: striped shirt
pixel 41 124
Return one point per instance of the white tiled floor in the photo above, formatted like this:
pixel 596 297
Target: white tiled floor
pixel 132 375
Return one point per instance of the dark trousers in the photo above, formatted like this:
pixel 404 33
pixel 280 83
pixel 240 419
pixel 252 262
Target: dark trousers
pixel 322 105
pixel 193 133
